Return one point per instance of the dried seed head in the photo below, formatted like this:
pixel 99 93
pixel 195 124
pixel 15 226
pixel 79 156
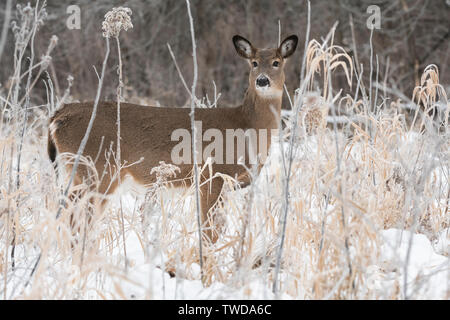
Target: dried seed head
pixel 116 20
pixel 53 41
pixel 70 80
pixel 46 60
pixel 164 171
pixel 313 113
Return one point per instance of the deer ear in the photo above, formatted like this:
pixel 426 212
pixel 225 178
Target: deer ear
pixel 288 46
pixel 243 47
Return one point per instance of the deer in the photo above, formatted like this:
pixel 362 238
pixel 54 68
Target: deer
pixel 146 131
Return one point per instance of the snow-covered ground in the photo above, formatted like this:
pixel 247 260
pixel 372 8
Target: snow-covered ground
pixel 428 274
pixel 427 271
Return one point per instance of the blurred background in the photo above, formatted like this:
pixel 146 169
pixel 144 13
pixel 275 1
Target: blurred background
pixel 413 34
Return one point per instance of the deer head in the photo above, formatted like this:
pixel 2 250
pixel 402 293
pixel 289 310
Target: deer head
pixel 266 65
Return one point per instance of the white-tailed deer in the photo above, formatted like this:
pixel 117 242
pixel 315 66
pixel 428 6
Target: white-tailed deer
pixel 146 132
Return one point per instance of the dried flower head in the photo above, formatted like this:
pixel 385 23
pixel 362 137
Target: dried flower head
pixel 313 113
pixel 45 60
pixel 164 171
pixel 116 20
pixel 70 80
pixel 27 20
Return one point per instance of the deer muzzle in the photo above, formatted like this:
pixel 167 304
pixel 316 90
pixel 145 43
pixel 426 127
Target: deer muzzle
pixel 262 81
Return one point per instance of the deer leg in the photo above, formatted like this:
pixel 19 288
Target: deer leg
pixel 82 220
pixel 210 192
pixel 74 197
pixel 95 193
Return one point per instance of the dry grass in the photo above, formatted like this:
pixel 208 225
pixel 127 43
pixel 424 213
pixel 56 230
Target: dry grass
pixel 349 181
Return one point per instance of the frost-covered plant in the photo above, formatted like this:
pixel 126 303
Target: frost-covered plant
pixel 164 171
pixel 116 20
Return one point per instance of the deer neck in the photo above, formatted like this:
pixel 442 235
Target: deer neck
pixel 261 112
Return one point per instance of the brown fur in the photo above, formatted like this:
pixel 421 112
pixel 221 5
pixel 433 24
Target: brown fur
pixel 146 132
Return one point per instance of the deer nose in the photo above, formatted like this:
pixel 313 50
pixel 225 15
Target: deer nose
pixel 262 81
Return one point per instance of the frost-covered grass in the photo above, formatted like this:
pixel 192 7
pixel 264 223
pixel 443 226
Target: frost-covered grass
pixel 367 208
pixel 314 264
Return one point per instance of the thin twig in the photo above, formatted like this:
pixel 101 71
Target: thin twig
pixel 118 156
pixel 194 135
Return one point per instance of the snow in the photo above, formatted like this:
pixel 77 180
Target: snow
pixel 427 271
pixel 428 274
pixel 147 280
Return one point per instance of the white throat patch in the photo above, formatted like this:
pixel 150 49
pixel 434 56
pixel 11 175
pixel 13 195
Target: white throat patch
pixel 268 92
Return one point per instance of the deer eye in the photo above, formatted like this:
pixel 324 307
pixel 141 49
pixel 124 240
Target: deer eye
pixel 255 64
pixel 276 63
